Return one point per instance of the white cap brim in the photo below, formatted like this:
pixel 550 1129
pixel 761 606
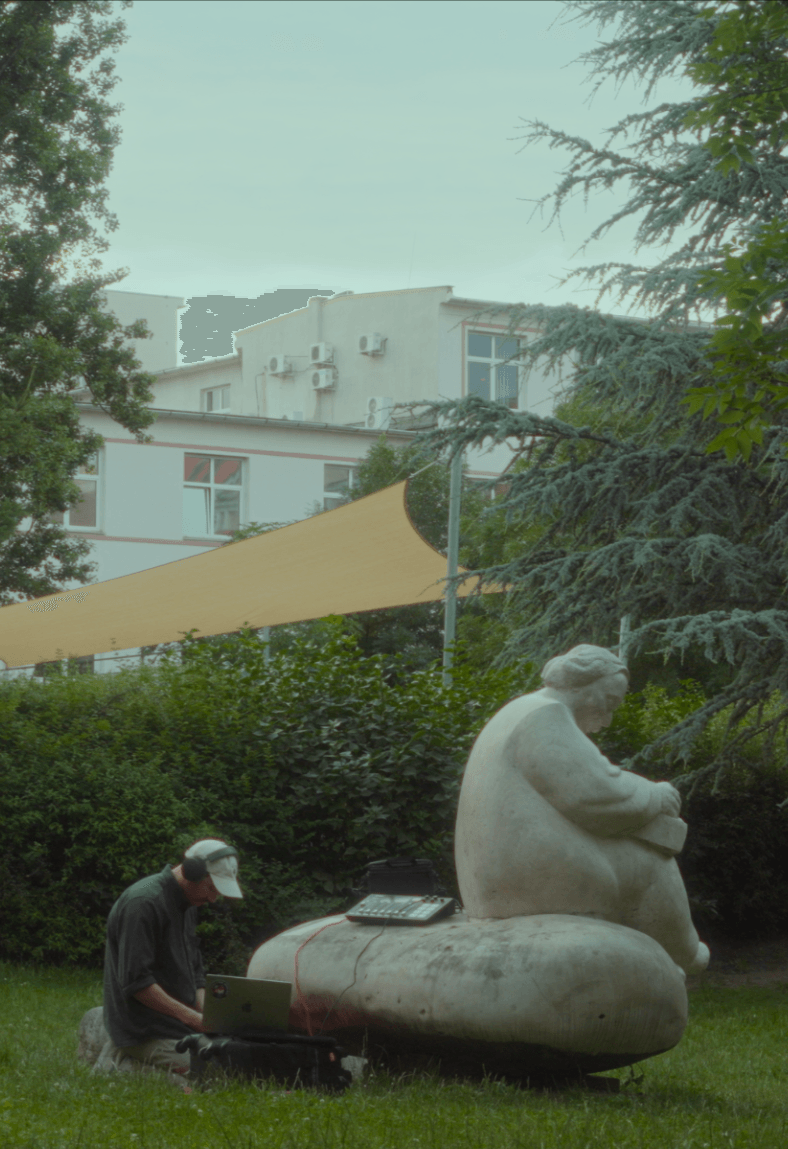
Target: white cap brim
pixel 226 886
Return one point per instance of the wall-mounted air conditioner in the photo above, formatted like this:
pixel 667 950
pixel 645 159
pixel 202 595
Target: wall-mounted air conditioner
pixel 279 365
pixel 372 343
pixel 320 353
pixel 379 412
pixel 324 380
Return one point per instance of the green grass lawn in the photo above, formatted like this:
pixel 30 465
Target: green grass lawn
pixel 724 1087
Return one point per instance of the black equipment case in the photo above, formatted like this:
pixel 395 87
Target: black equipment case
pixel 403 876
pixel 296 1061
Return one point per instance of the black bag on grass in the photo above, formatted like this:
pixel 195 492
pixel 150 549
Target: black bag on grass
pixel 296 1061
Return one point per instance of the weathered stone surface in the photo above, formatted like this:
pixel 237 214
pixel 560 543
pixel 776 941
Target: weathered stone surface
pixel 547 825
pixel 572 950
pixel 550 990
pixel 92 1036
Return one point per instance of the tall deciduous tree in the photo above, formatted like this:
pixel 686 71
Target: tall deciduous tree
pixel 56 144
pixel 744 117
pixel 633 516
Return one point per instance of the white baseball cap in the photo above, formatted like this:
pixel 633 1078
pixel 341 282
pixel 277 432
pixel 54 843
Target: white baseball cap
pixel 223 870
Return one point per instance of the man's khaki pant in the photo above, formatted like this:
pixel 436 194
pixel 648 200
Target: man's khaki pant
pixel 157 1054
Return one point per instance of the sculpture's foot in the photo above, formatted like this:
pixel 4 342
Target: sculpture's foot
pixel 701 959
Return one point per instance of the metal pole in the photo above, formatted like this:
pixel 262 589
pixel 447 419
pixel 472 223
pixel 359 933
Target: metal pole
pixel 450 610
pixel 267 641
pixel 623 638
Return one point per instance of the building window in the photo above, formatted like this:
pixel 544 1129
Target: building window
pixel 216 399
pixel 337 481
pixel 61 666
pixel 489 376
pixel 84 514
pixel 211 495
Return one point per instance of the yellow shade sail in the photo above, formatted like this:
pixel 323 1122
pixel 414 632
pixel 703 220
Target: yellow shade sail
pixel 363 556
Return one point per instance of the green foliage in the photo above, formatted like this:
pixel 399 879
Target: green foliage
pixel 748 357
pixel 731 176
pixel 746 69
pixel 735 861
pixel 56 146
pixel 73 832
pixel 618 508
pixel 312 765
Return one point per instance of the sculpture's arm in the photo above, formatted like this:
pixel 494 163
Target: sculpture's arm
pixel 568 770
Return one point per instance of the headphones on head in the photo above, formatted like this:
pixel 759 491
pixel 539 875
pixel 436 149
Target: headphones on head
pixel 195 869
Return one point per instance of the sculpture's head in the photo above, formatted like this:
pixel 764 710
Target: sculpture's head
pixel 591 681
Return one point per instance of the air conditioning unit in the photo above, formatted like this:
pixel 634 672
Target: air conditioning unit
pixel 324 380
pixel 279 365
pixel 379 412
pixel 320 353
pixel 371 344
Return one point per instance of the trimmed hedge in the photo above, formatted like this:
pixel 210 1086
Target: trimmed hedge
pixel 312 765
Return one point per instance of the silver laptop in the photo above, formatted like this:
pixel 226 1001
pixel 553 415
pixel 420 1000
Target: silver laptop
pixel 235 1004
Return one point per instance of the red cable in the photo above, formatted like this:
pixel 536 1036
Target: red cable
pixel 299 995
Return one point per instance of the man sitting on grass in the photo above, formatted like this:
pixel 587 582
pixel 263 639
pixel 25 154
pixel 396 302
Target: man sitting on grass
pixel 153 973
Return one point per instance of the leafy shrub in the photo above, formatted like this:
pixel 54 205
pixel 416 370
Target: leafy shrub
pixel 312 765
pixel 735 861
pixel 76 829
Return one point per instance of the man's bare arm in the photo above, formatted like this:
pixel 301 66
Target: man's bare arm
pixel 154 997
pixel 201 999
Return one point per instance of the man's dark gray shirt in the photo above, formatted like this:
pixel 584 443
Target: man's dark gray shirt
pixel 151 939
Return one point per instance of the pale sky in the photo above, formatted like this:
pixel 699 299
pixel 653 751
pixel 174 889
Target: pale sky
pixel 362 145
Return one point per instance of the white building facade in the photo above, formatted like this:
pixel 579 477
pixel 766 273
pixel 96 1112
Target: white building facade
pixel 273 433
pixel 346 360
pixel 162 314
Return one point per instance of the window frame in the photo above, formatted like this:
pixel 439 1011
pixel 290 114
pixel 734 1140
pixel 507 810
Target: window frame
pixel 332 497
pixel 224 388
pixel 494 362
pixel 63 518
pixel 213 486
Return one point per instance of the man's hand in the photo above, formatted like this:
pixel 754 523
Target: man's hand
pixel 671 799
pixel 154 997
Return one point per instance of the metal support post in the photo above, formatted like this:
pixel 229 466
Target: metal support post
pixel 623 638
pixel 450 609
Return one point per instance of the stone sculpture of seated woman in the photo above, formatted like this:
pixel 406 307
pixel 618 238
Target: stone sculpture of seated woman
pixel 547 825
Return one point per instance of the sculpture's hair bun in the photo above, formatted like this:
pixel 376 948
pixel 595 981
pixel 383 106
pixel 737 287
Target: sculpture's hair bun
pixel 581 666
